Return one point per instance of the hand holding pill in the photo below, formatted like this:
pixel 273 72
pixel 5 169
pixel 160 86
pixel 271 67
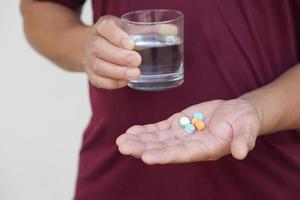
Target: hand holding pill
pixel 206 131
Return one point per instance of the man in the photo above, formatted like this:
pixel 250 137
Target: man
pixel 240 70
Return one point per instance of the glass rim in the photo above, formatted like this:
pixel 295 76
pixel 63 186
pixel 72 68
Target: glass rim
pixel 123 17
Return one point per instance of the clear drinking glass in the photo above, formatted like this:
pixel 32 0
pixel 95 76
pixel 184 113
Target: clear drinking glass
pixel 158 37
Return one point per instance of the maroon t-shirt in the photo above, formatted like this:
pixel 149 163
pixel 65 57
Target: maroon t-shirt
pixel 231 47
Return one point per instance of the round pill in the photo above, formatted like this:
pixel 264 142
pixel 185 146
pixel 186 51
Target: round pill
pixel 199 125
pixel 198 115
pixel 190 128
pixel 194 121
pixel 184 121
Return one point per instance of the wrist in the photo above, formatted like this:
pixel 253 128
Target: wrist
pixel 251 99
pixel 78 36
pixel 268 109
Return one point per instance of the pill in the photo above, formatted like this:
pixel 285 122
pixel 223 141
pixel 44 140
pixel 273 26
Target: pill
pixel 194 120
pixel 198 115
pixel 190 128
pixel 184 121
pixel 199 124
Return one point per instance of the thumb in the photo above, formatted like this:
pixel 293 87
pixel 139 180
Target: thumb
pixel 243 140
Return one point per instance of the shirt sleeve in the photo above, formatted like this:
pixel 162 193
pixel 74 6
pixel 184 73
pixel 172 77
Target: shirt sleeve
pixel 73 4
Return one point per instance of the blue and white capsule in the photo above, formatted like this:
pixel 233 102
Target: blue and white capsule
pixel 190 128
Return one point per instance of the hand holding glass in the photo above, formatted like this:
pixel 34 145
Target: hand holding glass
pixel 158 37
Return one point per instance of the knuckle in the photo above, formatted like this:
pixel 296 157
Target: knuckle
pixel 104 24
pixel 119 73
pixel 120 58
pixel 95 44
pixel 96 48
pixel 105 17
pixel 123 74
pixel 99 27
pixel 93 48
pixel 96 66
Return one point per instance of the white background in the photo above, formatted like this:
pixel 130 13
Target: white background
pixel 43 112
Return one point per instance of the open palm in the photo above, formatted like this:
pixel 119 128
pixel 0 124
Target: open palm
pixel 231 127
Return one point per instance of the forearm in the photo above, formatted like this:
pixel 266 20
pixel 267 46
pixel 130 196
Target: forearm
pixel 56 32
pixel 279 102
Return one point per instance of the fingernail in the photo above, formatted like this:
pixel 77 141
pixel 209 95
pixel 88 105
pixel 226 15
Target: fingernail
pixel 127 43
pixel 132 74
pixel 132 60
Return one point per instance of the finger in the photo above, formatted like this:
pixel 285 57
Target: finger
pixel 246 130
pixel 136 129
pixel 171 142
pixel 106 83
pixel 243 141
pixel 157 136
pixel 239 148
pixel 163 125
pixel 151 127
pixel 169 154
pixel 153 145
pixel 165 135
pixel 132 147
pixel 154 128
pixel 107 51
pixel 124 137
pixel 136 147
pixel 144 137
pixel 143 133
pixel 110 70
pixel 199 147
pixel 109 28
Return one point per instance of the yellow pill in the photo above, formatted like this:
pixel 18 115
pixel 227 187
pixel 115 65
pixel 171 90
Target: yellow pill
pixel 199 124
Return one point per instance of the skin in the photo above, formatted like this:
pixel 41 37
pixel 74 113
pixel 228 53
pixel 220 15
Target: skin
pixel 104 52
pixel 232 126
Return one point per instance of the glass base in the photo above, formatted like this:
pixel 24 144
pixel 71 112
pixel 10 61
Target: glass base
pixel 157 82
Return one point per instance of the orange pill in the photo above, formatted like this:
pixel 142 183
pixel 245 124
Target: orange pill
pixel 199 124
pixel 194 121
